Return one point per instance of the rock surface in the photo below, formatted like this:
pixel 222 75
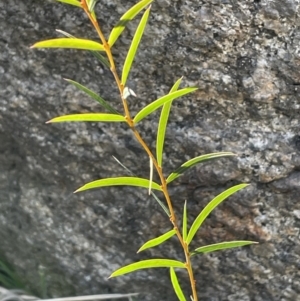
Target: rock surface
pixel 244 56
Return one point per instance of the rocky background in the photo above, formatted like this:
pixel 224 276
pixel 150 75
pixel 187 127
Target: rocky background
pixel 245 58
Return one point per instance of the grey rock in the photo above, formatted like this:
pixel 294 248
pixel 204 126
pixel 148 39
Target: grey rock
pixel 244 57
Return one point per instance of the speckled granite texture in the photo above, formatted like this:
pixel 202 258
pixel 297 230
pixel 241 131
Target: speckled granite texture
pixel 245 58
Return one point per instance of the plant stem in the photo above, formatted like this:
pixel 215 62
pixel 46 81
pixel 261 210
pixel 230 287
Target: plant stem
pixel 109 56
pixel 172 213
pixel 137 135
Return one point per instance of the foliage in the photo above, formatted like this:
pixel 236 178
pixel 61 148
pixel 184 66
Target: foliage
pixel 8 278
pixel 102 49
pixel 12 289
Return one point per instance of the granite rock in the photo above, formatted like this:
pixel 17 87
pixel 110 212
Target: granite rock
pixel 244 57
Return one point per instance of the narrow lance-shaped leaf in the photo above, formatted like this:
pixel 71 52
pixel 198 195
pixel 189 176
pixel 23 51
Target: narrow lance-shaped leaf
pixel 91 7
pixel 92 117
pixel 146 264
pixel 123 181
pixel 151 175
pixel 190 163
pixel 210 207
pixel 176 286
pixel 161 204
pixel 71 2
pixel 223 246
pixel 134 45
pixel 95 96
pixel 101 58
pixel 161 101
pixel 157 241
pixel 96 54
pixel 70 43
pixel 184 222
pixel 128 16
pixel 121 164
pixel 162 125
pixel 91 4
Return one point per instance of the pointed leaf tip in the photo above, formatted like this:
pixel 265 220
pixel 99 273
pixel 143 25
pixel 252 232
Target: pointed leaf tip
pixel 71 2
pixel 157 241
pixel 93 95
pixel 176 286
pixel 161 101
pixel 128 16
pixel 223 246
pixel 72 43
pixel 210 207
pixel 162 125
pixel 192 162
pixel 89 117
pixel 119 181
pixel 134 46
pixel 146 264
pixel 184 222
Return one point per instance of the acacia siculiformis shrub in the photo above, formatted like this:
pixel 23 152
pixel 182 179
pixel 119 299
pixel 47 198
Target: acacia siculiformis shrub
pixel 102 50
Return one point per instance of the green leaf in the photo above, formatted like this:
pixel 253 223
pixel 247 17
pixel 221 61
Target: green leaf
pixel 101 58
pixel 150 175
pixel 94 117
pixel 184 222
pixel 161 101
pixel 146 264
pixel 71 2
pixel 96 54
pixel 174 175
pixel 176 286
pixel 156 241
pixel 91 5
pixel 210 207
pixel 134 45
pixel 163 120
pixel 121 164
pixel 69 43
pixel 130 181
pixel 8 277
pixel 166 210
pixel 95 96
pixel 223 246
pixel 128 16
